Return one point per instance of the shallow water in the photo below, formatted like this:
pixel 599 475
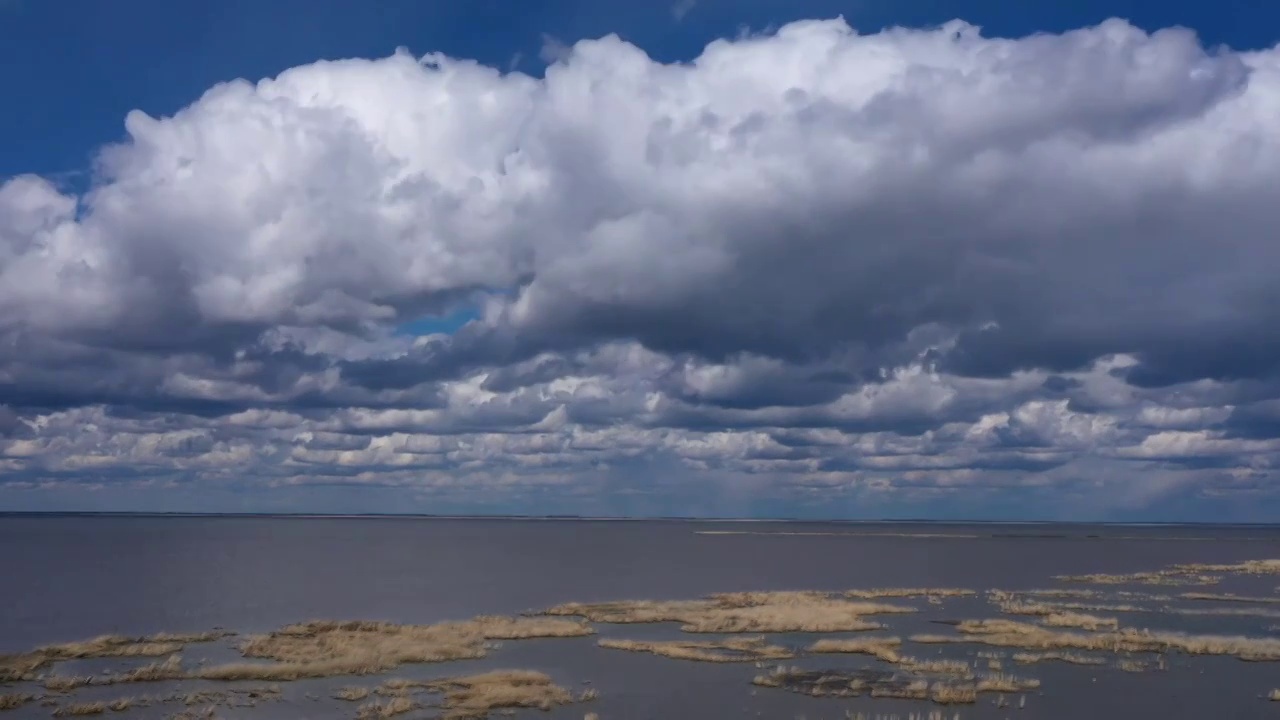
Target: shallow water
pixel 70 578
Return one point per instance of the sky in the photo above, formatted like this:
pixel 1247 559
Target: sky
pixel 964 260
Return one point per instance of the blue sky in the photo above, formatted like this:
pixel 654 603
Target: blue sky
pixel 78 67
pixel 1021 272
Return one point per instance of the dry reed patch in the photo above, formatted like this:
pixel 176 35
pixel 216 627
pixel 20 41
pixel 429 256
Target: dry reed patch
pixel 881 648
pixel 1080 620
pixel 327 648
pixel 1025 658
pixel 1275 695
pixel 877 593
pixel 1009 633
pixel 13 701
pixel 23 666
pixel 730 650
pixel 475 696
pixel 746 612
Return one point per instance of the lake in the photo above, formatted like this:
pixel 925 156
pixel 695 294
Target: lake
pixel 70 578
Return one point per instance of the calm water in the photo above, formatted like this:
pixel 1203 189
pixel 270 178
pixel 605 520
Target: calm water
pixel 70 578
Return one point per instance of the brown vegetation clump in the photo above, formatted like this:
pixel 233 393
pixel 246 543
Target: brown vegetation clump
pixel 476 695
pixel 325 648
pixel 23 666
pixel 731 650
pixel 876 593
pixel 1067 657
pixel 1080 620
pixel 881 648
pixel 1275 695
pixel 1009 633
pixel 746 612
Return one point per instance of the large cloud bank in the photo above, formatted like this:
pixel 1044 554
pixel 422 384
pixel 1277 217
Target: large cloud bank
pixel 915 264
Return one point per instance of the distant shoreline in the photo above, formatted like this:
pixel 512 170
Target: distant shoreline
pixel 586 518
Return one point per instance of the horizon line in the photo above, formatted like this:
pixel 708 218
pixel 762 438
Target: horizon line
pixel 612 518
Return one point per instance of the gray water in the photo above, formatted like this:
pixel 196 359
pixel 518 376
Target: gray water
pixel 70 578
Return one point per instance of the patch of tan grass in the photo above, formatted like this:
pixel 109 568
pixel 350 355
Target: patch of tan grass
pixel 1009 633
pixel 475 696
pixel 327 648
pixel 745 612
pixel 1275 695
pixel 1080 620
pixel 881 648
pixel 23 666
pixel 730 650
pixel 1025 658
pixel 1226 611
pixel 877 593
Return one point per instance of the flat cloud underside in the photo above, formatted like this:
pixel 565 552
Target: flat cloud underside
pixel 920 259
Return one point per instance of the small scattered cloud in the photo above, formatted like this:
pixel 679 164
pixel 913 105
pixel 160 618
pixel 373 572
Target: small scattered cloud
pixel 682 8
